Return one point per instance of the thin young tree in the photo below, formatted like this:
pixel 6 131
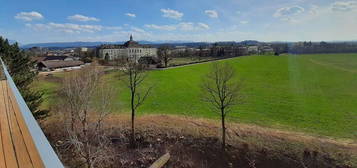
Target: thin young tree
pixel 135 75
pixel 222 92
pixel 86 102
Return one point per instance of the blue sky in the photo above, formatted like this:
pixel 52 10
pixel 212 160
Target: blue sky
pixel 189 20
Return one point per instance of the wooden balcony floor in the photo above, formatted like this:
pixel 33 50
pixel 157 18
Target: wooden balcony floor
pixel 17 149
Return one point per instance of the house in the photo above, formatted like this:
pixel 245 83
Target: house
pixel 253 49
pixel 266 50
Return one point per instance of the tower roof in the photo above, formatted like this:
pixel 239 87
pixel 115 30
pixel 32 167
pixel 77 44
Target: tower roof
pixel 131 43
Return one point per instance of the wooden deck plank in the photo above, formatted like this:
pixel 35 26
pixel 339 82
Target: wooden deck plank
pixel 2 156
pixel 17 148
pixel 8 147
pixel 28 140
pixel 21 151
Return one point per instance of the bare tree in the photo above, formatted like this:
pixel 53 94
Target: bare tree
pixel 86 102
pixel 135 75
pixel 165 55
pixel 221 92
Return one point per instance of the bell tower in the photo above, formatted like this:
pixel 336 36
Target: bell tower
pixel 131 37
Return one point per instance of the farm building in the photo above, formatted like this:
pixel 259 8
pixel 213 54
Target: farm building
pixel 58 64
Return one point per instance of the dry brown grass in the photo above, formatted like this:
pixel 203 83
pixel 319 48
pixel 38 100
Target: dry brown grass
pixel 210 128
pixel 256 137
pixel 195 143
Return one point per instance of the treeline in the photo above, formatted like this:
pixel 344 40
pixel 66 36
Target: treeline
pixel 323 47
pixel 214 51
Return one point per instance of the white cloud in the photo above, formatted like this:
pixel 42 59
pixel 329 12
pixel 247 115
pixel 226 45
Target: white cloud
pixel 113 28
pixel 243 22
pixel 314 10
pixel 135 29
pixel 29 16
pixel 67 27
pixel 318 23
pixel 130 15
pixel 189 26
pixel 203 26
pixel 183 26
pixel 161 27
pixel 186 26
pixel 288 13
pixel 122 35
pixel 343 6
pixel 82 18
pixel 211 13
pixel 169 13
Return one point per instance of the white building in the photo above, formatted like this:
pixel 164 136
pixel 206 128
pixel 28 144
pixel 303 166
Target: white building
pixel 253 49
pixel 131 49
pixel 83 49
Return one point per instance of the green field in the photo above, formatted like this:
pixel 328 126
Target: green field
pixel 310 93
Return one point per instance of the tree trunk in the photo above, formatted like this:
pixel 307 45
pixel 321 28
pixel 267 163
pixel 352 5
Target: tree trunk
pixel 132 121
pixel 223 130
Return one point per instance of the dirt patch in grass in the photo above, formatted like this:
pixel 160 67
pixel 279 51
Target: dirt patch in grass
pixel 196 143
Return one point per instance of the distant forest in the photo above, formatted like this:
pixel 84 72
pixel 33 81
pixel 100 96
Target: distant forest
pixel 323 47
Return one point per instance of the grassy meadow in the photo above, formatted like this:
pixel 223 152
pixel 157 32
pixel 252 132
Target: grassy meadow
pixel 311 93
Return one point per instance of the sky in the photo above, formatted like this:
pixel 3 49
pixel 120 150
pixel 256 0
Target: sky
pixel 40 21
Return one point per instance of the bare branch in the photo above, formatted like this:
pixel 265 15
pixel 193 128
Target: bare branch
pixel 220 91
pixel 86 103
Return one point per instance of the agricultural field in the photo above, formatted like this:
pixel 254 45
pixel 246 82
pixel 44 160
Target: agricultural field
pixel 316 94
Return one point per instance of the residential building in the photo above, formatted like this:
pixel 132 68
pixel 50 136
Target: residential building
pixel 253 49
pixel 266 50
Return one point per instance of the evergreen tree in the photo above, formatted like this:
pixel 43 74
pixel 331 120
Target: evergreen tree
pixel 20 67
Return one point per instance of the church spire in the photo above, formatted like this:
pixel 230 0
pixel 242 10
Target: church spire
pixel 131 37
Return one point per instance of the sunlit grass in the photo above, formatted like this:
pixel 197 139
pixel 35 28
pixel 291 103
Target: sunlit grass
pixel 311 93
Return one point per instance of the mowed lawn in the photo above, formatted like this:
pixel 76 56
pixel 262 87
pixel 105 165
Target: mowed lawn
pixel 309 93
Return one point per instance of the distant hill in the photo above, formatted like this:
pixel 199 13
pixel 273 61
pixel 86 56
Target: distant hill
pixel 250 42
pixel 90 44
pixel 67 44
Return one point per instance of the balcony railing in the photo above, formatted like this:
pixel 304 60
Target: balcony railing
pixel 23 144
